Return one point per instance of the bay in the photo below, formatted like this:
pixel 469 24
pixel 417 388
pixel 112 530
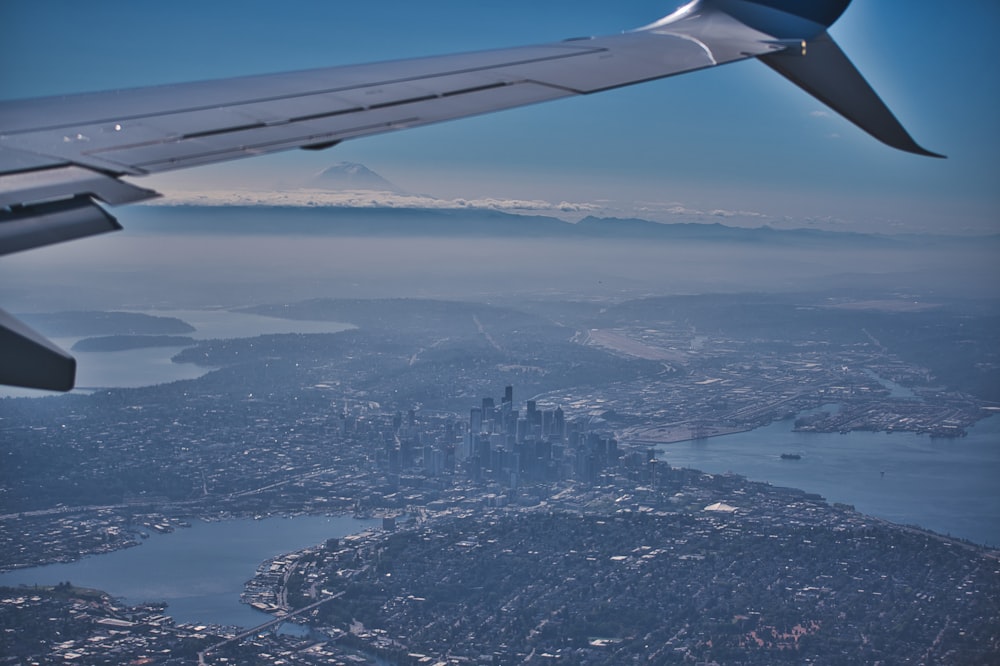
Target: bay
pixel 946 485
pixel 153 365
pixel 198 571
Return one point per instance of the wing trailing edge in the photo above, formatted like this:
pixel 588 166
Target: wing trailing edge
pixel 41 207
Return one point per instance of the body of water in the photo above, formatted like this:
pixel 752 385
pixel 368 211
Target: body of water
pixel 951 486
pixel 146 367
pixel 947 485
pixel 199 571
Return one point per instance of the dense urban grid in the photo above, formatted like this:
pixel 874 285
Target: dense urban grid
pixel 543 528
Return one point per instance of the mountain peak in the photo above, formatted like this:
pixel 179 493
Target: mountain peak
pixel 351 176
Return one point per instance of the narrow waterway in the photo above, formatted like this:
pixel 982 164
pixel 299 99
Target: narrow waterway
pixel 199 571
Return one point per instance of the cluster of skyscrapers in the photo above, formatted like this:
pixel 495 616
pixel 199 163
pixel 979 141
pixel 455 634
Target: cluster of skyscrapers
pixel 506 445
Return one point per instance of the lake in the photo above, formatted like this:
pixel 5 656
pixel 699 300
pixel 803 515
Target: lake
pixel 946 485
pixel 199 571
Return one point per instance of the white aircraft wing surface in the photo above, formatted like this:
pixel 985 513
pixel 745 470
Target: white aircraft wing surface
pixel 59 156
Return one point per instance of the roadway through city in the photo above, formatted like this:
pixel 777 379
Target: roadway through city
pixel 264 627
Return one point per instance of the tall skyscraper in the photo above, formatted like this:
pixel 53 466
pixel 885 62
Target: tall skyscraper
pixel 489 410
pixel 475 420
pixel 522 429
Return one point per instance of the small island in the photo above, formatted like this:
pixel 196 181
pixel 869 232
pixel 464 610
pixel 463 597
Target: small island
pixel 112 343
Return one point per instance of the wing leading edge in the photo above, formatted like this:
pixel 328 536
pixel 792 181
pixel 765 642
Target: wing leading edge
pixel 60 156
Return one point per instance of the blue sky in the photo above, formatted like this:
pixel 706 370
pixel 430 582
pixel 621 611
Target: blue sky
pixel 733 138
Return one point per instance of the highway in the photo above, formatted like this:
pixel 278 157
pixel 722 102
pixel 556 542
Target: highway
pixel 264 627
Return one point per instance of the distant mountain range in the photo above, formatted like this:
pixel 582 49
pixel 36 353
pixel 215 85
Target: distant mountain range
pixel 394 222
pixel 349 199
pixel 349 220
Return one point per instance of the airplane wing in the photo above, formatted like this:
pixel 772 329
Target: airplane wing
pixel 60 156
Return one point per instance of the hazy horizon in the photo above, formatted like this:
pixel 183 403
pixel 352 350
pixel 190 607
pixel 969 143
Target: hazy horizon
pixel 142 269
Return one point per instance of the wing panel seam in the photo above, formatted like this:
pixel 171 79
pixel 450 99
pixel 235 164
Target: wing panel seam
pixel 293 142
pixel 246 102
pixel 321 116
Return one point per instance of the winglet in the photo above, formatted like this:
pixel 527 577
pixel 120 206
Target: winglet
pixel 826 73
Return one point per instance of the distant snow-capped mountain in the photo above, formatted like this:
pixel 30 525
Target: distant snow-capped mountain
pixel 351 177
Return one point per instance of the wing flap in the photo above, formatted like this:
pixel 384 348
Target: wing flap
pixel 39 185
pixel 46 206
pixel 28 227
pixel 27 359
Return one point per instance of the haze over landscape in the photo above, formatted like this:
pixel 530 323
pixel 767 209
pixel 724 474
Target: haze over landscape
pixel 507 345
